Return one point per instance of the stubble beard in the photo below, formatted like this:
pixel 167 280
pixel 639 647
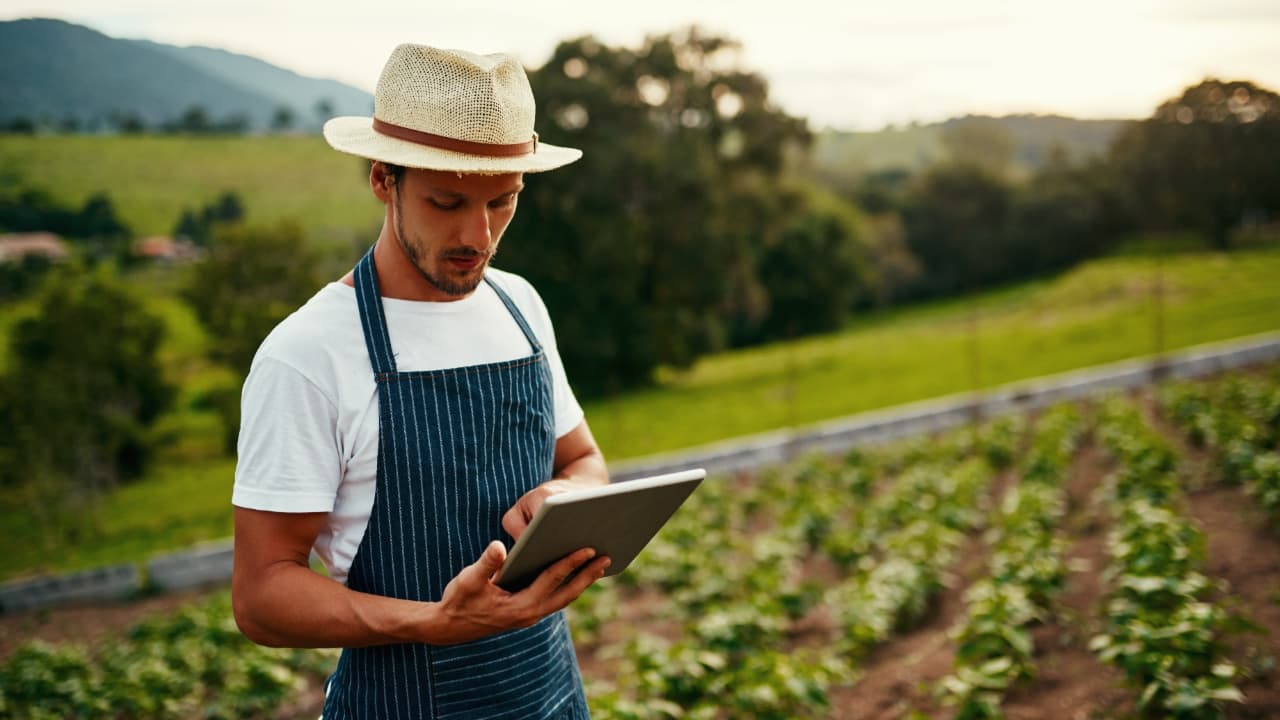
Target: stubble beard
pixel 452 288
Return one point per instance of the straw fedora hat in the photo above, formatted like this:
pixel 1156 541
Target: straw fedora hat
pixel 450 110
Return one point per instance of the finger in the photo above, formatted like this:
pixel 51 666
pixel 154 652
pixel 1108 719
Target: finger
pixel 554 576
pixel 514 522
pixel 570 591
pixel 490 560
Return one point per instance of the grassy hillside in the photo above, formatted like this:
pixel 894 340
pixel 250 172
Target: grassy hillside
pixel 1100 312
pixel 152 178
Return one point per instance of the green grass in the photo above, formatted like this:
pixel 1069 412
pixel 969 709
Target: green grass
pixel 175 506
pixel 1101 312
pixel 151 178
pixel 1097 313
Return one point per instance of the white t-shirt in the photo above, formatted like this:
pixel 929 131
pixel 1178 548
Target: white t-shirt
pixel 309 410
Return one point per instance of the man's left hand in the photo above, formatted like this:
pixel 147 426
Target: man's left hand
pixel 517 518
pixel 578 464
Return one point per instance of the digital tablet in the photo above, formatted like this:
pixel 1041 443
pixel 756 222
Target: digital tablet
pixel 618 520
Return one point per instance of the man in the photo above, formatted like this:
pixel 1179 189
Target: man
pixel 410 416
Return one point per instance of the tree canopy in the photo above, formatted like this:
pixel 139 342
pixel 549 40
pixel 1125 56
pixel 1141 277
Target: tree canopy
pixel 649 251
pixel 83 386
pixel 1205 160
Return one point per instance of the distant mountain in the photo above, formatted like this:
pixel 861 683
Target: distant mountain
pixel 842 156
pixel 55 72
pixel 299 93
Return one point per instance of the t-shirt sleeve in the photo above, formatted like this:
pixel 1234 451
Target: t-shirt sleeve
pixel 288 451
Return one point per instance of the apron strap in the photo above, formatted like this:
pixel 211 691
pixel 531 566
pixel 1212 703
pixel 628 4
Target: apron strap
pixel 372 317
pixel 515 313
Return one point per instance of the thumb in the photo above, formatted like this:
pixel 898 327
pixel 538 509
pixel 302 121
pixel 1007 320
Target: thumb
pixel 491 559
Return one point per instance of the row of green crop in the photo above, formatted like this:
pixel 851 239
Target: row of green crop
pixel 735 569
pixel 192 663
pixel 994 648
pixel 1159 627
pixel 764 593
pixel 1237 418
pixel 733 593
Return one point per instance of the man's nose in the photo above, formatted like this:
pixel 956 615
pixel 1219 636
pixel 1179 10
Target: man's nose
pixel 475 231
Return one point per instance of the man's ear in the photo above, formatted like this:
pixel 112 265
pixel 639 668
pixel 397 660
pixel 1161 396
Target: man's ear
pixel 381 182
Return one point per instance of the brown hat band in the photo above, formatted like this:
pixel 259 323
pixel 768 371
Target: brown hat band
pixel 465 147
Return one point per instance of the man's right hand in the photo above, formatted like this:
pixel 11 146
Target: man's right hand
pixel 473 606
pixel 272 571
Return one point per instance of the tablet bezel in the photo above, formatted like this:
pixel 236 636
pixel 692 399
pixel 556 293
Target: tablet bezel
pixel 516 561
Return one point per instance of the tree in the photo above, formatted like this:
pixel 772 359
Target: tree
pixel 252 278
pixel 194 119
pixel 128 123
pixel 282 119
pixel 955 218
pixel 20 125
pixel 673 203
pixel 894 270
pixel 1063 214
pixel 95 225
pixel 227 208
pixel 83 386
pixel 199 227
pixel 1205 160
pixel 34 210
pixel 882 191
pixel 815 271
pixel 323 109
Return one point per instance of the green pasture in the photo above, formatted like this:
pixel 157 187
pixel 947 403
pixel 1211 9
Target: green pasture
pixel 174 507
pixel 151 178
pixel 1102 311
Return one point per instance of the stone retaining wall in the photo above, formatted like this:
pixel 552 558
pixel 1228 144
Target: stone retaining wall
pixel 210 564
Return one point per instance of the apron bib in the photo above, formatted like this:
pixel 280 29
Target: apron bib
pixel 456 449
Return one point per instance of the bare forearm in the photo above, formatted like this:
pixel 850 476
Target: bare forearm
pixel 578 459
pixel 585 471
pixel 289 605
pixel 292 606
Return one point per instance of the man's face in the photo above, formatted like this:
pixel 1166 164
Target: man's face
pixel 449 226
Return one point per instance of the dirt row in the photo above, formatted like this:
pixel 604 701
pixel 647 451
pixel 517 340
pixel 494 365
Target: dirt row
pixel 899 678
pixel 1242 551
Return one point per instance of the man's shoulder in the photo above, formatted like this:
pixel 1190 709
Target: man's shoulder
pixel 322 326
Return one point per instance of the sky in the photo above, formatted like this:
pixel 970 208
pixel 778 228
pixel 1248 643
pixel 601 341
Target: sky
pixel 853 65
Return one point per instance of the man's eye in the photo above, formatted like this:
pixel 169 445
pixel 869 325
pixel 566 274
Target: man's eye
pixel 445 205
pixel 504 201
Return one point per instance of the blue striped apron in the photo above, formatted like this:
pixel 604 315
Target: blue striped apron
pixel 456 449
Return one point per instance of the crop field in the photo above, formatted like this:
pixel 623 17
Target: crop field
pixel 1114 558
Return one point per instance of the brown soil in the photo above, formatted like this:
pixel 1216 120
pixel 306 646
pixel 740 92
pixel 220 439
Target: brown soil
pixel 900 676
pixel 1072 683
pixel 87 625
pixel 1243 551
